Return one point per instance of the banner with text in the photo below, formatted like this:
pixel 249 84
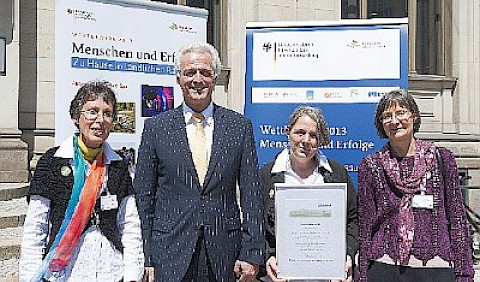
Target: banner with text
pixel 342 67
pixel 130 44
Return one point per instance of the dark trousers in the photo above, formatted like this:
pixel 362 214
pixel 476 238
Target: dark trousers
pixel 382 272
pixel 200 268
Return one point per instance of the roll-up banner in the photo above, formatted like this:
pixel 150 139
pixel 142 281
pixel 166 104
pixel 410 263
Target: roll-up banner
pixel 130 44
pixel 343 67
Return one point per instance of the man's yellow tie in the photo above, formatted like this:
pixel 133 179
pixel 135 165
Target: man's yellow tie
pixel 198 146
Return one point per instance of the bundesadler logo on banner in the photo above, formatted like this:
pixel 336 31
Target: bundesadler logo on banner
pixel 81 14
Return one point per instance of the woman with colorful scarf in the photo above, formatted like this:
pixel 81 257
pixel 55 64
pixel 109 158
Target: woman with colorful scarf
pixel 82 222
pixel 413 224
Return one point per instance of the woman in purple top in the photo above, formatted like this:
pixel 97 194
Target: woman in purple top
pixel 413 223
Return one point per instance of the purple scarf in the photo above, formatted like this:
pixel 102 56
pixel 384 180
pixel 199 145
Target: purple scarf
pixel 424 163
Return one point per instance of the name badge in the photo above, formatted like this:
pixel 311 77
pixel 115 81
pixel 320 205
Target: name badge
pixel 108 202
pixel 422 201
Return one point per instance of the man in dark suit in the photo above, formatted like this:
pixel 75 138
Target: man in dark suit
pixel 191 219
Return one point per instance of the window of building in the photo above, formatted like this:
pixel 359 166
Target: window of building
pixel 428 34
pixel 350 9
pixel 215 21
pixel 368 9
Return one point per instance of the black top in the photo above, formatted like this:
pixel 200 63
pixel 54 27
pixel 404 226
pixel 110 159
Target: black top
pixel 49 182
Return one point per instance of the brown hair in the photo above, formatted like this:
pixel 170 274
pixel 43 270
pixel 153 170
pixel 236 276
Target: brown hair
pixel 401 98
pixel 91 91
pixel 315 114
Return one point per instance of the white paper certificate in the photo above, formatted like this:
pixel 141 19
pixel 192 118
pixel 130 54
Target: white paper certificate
pixel 310 230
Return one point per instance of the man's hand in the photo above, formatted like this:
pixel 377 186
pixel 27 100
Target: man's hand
pixel 245 270
pixel 149 274
pixel 272 270
pixel 348 271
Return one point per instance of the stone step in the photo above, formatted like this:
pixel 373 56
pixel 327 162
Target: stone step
pixel 9 270
pixel 9 191
pixel 10 243
pixel 12 212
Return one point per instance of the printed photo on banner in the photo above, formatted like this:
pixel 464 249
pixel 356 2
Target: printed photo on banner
pixel 156 99
pixel 125 119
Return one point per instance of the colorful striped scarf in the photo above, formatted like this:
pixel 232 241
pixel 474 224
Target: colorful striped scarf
pixel 77 214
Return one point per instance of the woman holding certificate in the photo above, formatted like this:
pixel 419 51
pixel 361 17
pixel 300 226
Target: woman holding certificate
pixel 303 163
pixel 413 225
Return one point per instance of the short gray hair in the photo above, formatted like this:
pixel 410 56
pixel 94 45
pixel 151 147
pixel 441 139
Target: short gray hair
pixel 315 114
pixel 200 47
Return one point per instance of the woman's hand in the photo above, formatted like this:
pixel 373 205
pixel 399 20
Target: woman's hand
pixel 149 274
pixel 245 271
pixel 348 271
pixel 272 270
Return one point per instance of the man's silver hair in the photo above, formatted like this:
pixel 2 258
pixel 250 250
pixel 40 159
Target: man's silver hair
pixel 201 47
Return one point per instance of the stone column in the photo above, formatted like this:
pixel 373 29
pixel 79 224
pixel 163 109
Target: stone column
pixel 466 66
pixel 13 151
pixel 36 104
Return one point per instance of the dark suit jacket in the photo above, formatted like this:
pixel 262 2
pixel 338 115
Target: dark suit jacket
pixel 338 175
pixel 173 206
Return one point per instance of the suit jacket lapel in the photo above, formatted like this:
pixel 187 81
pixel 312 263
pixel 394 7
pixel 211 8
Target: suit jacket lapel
pixel 218 139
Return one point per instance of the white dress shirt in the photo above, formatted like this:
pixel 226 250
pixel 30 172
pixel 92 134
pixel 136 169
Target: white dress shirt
pixel 282 164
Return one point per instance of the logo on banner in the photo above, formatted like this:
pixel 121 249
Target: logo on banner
pixel 267 46
pixel 354 93
pixel 332 95
pixel 81 14
pixel 310 94
pixel 354 44
pixel 375 94
pixel 291 49
pixel 280 95
pixel 182 28
pixel 365 44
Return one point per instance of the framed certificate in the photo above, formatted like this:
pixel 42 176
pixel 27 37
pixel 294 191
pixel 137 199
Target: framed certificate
pixel 310 223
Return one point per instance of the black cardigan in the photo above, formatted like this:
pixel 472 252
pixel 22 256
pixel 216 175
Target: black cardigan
pixel 49 182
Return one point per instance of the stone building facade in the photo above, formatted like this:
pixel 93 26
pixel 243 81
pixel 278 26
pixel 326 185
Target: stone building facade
pixel 444 63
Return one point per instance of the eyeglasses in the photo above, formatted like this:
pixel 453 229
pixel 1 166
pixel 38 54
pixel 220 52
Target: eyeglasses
pixel 299 135
pixel 93 115
pixel 400 115
pixel 203 73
